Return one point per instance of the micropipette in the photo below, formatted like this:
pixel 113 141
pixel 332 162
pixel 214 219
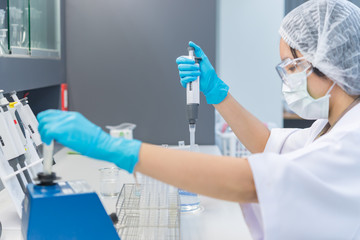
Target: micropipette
pixel 5 102
pixel 28 118
pixel 29 125
pixel 193 99
pixel 21 122
pixel 10 142
pixel 18 135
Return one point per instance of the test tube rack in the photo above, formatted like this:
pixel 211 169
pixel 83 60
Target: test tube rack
pixel 150 210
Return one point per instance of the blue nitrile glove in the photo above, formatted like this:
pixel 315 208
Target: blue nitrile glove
pixel 214 89
pixel 76 132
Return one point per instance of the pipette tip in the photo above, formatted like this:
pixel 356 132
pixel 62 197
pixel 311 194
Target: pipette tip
pixel 192 134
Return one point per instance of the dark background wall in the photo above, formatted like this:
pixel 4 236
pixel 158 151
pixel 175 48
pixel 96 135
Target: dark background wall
pixel 121 63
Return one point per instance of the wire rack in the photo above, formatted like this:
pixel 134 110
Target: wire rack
pixel 148 211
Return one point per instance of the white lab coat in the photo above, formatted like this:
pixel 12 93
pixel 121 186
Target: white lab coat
pixel 308 189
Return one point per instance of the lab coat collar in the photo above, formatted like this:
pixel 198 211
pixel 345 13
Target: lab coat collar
pixel 350 120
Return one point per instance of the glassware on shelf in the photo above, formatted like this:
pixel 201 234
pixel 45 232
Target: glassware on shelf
pixel 19 26
pixel 17 35
pixel 3 33
pixel 2 18
pixel 45 28
pixel 33 28
pixel 3 42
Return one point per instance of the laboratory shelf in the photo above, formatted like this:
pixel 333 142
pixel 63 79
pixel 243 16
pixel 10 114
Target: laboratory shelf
pixel 27 73
pixel 31 28
pixel 32 44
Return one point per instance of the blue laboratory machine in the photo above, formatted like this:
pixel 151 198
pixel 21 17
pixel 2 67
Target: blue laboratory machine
pixel 64 210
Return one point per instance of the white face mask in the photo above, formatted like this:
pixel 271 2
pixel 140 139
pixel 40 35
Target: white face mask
pixel 300 101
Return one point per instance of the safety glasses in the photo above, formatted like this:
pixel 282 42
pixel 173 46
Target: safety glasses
pixel 290 66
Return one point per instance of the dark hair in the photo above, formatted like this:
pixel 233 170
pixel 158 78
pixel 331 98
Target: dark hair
pixel 316 71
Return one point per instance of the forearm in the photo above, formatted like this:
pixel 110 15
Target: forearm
pixel 215 176
pixel 250 130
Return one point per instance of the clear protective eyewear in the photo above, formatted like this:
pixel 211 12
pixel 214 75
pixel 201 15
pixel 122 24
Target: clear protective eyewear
pixel 290 66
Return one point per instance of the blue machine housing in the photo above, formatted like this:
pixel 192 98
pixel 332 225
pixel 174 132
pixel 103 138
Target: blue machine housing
pixel 62 212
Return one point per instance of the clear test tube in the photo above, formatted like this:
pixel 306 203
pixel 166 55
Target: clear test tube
pixel 48 157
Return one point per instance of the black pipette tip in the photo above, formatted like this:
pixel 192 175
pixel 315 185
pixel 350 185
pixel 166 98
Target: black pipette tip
pixel 46 179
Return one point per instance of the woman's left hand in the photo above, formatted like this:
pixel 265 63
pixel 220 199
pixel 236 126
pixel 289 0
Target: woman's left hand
pixel 73 130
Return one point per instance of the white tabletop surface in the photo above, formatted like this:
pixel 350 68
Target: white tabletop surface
pixel 219 220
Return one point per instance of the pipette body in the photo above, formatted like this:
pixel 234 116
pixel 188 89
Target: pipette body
pixel 27 117
pixel 193 99
pixel 6 107
pixel 11 144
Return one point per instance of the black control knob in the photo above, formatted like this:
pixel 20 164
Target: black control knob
pixel 114 218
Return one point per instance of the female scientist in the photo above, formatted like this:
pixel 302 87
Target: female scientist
pixel 298 183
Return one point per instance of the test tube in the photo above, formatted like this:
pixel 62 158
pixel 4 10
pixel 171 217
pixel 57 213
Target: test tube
pixel 48 157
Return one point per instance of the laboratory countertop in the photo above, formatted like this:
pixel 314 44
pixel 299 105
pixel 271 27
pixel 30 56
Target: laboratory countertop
pixel 219 219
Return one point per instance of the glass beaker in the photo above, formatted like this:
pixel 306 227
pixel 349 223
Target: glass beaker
pixel 189 202
pixel 3 42
pixel 2 18
pixel 17 35
pixel 110 185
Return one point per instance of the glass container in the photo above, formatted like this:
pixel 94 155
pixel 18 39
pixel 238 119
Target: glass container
pixel 110 185
pixel 45 28
pixel 18 26
pixel 3 29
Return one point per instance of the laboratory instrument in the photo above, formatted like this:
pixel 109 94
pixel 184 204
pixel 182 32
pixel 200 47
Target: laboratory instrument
pixel 28 118
pixel 3 33
pixel 5 104
pixel 190 202
pixel 15 156
pixel 110 185
pixel 19 160
pixel 63 210
pixel 16 125
pixel 124 130
pixel 149 210
pixel 18 22
pixel 3 42
pixel 2 18
pixel 214 89
pixel 9 160
pixel 193 99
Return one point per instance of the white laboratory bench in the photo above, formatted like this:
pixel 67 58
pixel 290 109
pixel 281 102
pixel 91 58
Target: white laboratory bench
pixel 219 220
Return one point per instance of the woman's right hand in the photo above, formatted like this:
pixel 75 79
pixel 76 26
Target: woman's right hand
pixel 214 89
